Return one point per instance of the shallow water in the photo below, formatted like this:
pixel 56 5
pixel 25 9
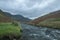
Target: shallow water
pixel 39 33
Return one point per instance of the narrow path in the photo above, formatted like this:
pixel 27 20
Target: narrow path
pixel 36 33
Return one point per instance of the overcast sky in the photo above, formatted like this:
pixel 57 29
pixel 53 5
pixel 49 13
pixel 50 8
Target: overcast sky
pixel 30 8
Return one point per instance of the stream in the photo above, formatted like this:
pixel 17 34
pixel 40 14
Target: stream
pixel 39 33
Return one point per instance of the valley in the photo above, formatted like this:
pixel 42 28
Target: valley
pixel 17 27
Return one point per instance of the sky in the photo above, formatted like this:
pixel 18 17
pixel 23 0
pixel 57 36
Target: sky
pixel 30 8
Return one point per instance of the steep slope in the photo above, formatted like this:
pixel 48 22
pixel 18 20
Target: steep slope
pixel 50 20
pixel 55 14
pixel 4 18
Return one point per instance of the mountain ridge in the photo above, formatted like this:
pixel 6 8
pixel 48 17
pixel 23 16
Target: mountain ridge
pixel 19 18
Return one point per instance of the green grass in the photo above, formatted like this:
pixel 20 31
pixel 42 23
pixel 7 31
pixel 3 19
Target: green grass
pixel 52 23
pixel 9 29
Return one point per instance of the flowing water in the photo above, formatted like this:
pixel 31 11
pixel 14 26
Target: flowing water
pixel 39 33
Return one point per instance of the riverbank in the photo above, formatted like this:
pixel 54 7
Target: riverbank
pixel 9 31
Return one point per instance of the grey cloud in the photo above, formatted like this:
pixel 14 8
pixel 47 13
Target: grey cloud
pixel 5 0
pixel 31 3
pixel 30 8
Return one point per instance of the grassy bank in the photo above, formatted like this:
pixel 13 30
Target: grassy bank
pixel 52 23
pixel 9 29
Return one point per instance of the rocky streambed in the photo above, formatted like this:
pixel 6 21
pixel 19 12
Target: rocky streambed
pixel 39 33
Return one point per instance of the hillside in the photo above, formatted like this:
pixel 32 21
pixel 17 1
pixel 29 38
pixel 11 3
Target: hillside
pixel 51 19
pixel 17 17
pixel 4 18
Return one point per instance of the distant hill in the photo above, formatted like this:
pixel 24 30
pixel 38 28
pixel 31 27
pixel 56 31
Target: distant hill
pixel 20 18
pixel 16 17
pixel 47 20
